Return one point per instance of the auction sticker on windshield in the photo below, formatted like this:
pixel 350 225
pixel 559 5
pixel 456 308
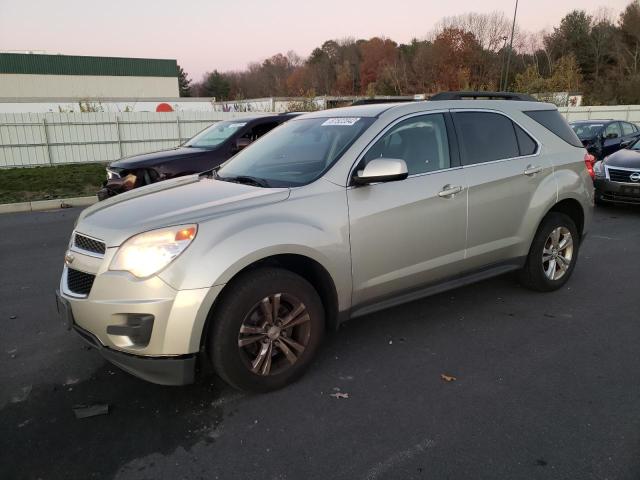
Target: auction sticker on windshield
pixel 237 125
pixel 341 121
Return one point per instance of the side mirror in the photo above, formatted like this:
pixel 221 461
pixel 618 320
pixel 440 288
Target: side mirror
pixel 382 170
pixel 242 143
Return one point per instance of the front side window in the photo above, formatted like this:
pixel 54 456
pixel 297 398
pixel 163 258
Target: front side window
pixel 296 153
pixel 420 141
pixel 485 137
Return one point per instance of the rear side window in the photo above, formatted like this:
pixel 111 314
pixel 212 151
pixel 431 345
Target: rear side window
pixel 485 137
pixel 628 129
pixel 527 145
pixel 556 124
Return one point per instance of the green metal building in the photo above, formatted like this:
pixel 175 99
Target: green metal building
pixel 25 75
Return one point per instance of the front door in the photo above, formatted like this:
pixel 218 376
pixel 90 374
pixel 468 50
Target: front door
pixel 408 233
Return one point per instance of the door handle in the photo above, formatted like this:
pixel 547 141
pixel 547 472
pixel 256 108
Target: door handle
pixel 449 190
pixel 531 170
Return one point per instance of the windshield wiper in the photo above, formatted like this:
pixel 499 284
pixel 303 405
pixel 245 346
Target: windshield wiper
pixel 245 179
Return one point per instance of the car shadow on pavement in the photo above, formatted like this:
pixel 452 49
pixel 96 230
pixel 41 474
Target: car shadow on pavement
pixel 143 418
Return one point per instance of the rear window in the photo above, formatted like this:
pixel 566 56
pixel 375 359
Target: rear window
pixel 556 124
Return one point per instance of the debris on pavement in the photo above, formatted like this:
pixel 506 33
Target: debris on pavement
pixel 339 395
pixel 86 411
pixel 25 423
pixel 22 395
pixel 12 317
pixel 448 378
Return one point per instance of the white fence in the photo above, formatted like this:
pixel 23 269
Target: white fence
pixel 629 113
pixel 30 139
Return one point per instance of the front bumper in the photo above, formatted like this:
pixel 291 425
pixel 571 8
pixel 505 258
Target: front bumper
pixel 617 192
pixel 163 370
pixel 144 326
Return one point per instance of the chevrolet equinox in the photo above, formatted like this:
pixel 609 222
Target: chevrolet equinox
pixel 333 215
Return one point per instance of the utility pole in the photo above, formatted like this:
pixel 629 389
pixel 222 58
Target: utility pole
pixel 513 27
pixel 502 59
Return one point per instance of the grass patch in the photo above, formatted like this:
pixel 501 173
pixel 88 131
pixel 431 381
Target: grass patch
pixel 44 183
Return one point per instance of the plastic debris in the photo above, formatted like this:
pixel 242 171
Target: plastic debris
pixel 447 378
pixel 86 411
pixel 339 395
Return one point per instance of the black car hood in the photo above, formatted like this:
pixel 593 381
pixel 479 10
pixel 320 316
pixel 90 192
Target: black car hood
pixel 624 158
pixel 155 158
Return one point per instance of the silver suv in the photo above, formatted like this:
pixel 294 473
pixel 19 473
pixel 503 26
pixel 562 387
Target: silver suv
pixel 333 215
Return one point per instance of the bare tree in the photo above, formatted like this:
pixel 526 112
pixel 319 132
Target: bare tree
pixel 489 29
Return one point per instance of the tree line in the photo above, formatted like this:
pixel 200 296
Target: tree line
pixel 596 54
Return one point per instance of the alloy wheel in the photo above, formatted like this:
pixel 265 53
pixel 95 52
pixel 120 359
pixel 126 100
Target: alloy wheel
pixel 274 334
pixel 557 253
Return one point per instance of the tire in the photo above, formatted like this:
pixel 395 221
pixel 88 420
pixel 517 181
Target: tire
pixel 536 272
pixel 264 364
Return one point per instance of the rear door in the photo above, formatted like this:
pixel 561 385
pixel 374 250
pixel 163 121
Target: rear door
pixel 629 134
pixel 409 233
pixel 503 168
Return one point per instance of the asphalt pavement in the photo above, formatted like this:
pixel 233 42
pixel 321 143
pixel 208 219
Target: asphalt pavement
pixel 546 385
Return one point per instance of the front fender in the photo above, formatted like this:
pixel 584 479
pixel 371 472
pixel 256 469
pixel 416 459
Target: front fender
pixel 227 245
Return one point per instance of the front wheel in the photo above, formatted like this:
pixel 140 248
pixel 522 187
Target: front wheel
pixel 553 254
pixel 266 330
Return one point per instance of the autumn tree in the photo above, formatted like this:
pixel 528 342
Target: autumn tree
pixel 377 54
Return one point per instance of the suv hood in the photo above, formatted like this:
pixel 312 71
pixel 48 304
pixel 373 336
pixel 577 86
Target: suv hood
pixel 190 199
pixel 155 158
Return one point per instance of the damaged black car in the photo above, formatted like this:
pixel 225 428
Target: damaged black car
pixel 208 149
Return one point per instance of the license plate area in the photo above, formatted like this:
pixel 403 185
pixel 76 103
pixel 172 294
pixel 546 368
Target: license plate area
pixel 64 311
pixel 631 190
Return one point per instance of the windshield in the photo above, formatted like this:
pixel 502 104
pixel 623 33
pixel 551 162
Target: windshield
pixel 586 130
pixel 635 146
pixel 215 135
pixel 296 153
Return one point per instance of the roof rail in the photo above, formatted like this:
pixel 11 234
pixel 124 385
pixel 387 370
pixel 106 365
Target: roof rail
pixel 483 96
pixel 376 101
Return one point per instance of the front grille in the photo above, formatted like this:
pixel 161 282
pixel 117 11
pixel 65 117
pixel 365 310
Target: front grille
pixel 79 282
pixel 623 176
pixel 89 244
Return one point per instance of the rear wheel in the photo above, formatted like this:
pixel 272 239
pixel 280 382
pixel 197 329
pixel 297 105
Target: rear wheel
pixel 266 330
pixel 553 254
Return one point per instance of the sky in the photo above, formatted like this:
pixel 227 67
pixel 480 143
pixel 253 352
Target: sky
pixel 204 35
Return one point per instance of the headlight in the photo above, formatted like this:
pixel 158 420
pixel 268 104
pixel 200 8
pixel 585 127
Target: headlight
pixel 598 169
pixel 149 252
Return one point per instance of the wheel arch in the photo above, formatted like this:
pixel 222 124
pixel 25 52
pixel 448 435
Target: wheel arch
pixel 573 209
pixel 308 268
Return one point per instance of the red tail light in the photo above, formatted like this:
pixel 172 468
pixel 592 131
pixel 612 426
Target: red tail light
pixel 589 160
